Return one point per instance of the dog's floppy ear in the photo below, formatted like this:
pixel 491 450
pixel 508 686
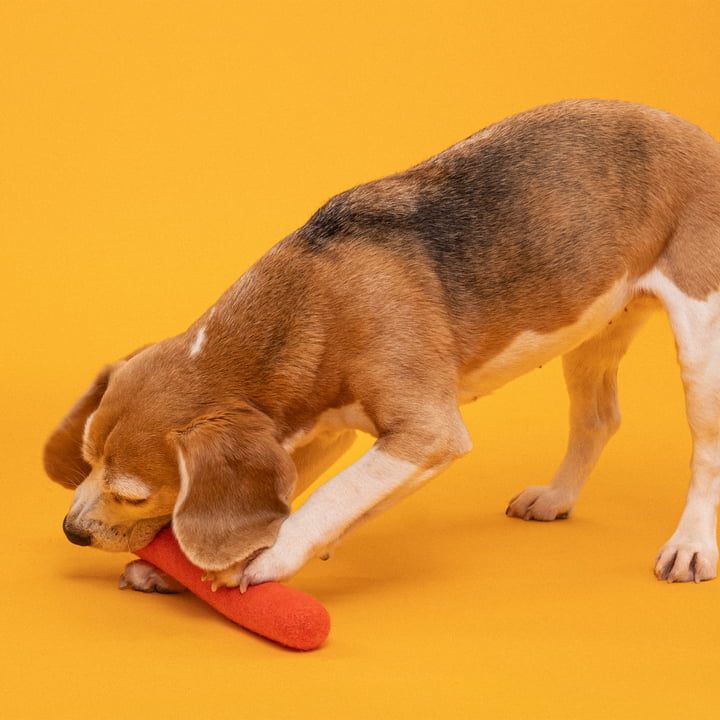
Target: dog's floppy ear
pixel 62 457
pixel 235 486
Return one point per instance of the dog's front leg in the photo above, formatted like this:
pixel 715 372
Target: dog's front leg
pixel 316 457
pixel 379 479
pixel 143 576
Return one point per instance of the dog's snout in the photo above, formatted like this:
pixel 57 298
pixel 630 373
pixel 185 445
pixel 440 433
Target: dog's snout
pixel 75 537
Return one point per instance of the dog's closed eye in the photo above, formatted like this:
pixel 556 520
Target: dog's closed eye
pixel 128 501
pixel 129 490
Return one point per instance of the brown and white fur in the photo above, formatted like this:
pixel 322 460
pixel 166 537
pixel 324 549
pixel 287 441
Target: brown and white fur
pixel 553 232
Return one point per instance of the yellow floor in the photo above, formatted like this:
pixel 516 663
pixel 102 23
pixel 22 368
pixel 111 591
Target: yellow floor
pixel 150 152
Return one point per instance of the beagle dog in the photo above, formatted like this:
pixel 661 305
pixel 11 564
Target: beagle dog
pixel 554 232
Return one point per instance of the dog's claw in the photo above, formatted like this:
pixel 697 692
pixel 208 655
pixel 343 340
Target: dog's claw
pixel 686 562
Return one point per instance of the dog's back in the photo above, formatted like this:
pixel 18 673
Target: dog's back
pixel 545 210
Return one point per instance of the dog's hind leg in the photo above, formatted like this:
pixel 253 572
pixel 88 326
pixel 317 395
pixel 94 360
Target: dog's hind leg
pixel 691 554
pixel 591 378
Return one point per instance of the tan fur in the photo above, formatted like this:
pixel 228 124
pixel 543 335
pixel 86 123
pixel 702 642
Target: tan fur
pixel 401 298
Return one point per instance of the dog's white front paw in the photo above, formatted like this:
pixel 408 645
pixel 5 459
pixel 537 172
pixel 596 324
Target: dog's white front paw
pixel 541 502
pixel 275 564
pixel 145 577
pixel 687 561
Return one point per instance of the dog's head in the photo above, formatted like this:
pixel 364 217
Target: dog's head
pixel 144 446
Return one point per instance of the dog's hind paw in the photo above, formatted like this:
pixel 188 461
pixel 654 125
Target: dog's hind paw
pixel 686 562
pixel 541 502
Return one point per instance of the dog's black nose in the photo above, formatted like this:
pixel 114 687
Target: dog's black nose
pixel 75 537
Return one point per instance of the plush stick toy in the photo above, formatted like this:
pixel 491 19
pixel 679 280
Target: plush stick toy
pixel 280 613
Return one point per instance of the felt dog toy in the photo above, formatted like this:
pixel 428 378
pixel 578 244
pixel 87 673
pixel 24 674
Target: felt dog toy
pixel 278 612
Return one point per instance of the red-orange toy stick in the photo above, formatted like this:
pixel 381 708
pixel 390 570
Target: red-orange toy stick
pixel 278 612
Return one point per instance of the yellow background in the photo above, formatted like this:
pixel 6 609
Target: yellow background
pixel 150 151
